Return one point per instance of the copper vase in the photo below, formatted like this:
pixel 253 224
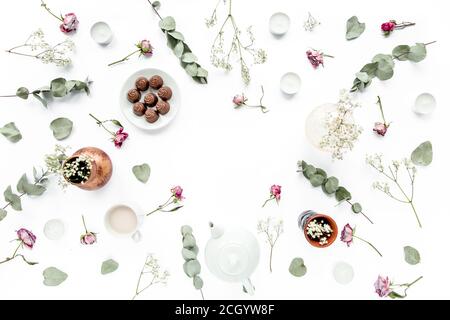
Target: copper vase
pixel 101 170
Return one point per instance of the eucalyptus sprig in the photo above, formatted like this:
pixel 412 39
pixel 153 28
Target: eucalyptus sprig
pixel 189 252
pixel 330 185
pixel 58 88
pixel 24 187
pixel 175 41
pixel 382 65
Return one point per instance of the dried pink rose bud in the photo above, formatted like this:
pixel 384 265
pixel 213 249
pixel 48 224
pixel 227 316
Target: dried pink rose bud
pixel 88 238
pixel 380 128
pixel 146 48
pixel 119 137
pixel 347 235
pixel 275 191
pixel 177 192
pixel 27 237
pixel 388 27
pixel 69 23
pixel 315 57
pixel 382 286
pixel 239 100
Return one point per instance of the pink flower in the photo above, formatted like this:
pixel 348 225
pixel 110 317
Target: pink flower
pixel 88 238
pixel 388 27
pixel 380 128
pixel 275 191
pixel 27 237
pixel 177 192
pixel 347 235
pixel 70 23
pixel 146 48
pixel 315 58
pixel 119 137
pixel 239 100
pixel 382 286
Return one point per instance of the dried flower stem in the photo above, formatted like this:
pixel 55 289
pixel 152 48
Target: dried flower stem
pixel 125 58
pixel 264 109
pixel 49 11
pixel 381 109
pixel 15 255
pixel 373 247
pixel 272 232
pixel 406 286
pixel 101 124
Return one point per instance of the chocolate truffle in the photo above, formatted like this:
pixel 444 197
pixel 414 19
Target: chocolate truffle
pixel 150 99
pixel 165 93
pixel 151 115
pixel 156 82
pixel 133 95
pixel 139 109
pixel 141 83
pixel 162 107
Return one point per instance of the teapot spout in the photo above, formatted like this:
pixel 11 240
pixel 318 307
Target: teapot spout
pixel 216 231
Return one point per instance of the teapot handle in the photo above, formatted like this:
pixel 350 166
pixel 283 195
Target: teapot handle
pixel 248 286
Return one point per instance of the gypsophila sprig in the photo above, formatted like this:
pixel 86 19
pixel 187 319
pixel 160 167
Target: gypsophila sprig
pixel 382 65
pixel 175 41
pixel 272 229
pixel 223 56
pixel 330 185
pixel 310 23
pixel 58 88
pixel 152 272
pixel 391 172
pixel 191 266
pixel 24 187
pixel 342 131
pixel 58 54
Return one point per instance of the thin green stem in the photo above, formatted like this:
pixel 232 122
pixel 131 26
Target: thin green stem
pixel 9 96
pixel 101 124
pixel 160 207
pixel 369 244
pixel 349 202
pixel 154 9
pixel 125 58
pixel 203 297
pixel 84 223
pixel 265 202
pixel 415 213
pixel 49 11
pixel 381 109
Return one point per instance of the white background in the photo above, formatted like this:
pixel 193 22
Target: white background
pixel 227 159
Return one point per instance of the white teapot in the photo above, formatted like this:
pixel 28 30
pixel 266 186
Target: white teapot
pixel 232 255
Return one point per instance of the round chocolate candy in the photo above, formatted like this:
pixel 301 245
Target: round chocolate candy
pixel 151 115
pixel 133 95
pixel 165 93
pixel 150 99
pixel 162 107
pixel 141 83
pixel 139 109
pixel 156 82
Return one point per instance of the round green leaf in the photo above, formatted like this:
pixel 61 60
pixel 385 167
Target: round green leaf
pixel 61 127
pixel 331 185
pixel 297 267
pixel 342 194
pixel 186 230
pixel 370 69
pixel 198 282
pixel 321 172
pixel 363 76
pixel 384 57
pixel 423 154
pixel 192 268
pixel 177 35
pixel 188 254
pixel 179 49
pixel 142 172
pixel 309 171
pixel 412 256
pixel 167 24
pixel 356 207
pixel 191 69
pixel 22 92
pixel 401 52
pixel 384 70
pixel 188 241
pixel 12 198
pixel 3 214
pixel 317 180
pixel 58 87
pixel 54 276
pixel 109 266
pixel 10 132
pixel 354 28
pixel 189 57
pixel 417 53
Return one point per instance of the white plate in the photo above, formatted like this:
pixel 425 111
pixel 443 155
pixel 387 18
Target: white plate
pixel 127 107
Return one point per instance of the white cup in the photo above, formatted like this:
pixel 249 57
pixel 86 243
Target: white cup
pixel 122 221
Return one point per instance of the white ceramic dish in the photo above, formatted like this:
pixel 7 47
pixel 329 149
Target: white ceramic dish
pixel 127 107
pixel 101 33
pixel 290 83
pixel 279 23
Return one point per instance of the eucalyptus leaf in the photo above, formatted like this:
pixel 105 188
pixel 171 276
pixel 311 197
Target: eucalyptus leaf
pixel 423 154
pixel 117 123
pixel 297 267
pixel 317 180
pixel 203 73
pixel 41 99
pixel 11 132
pixel 412 256
pixel 417 52
pixel 70 84
pixel 331 185
pixel 167 24
pixel 173 209
pixel 356 207
pixel 354 28
pixel 156 5
pixel 62 128
pixel 34 189
pixel 370 69
pixel 177 35
pixel 198 282
pixel 188 254
pixel 384 71
pixel 22 182
pixel 194 249
pixel 142 172
pixel 321 172
pixel 189 57
pixel 192 268
pixel 401 52
pixel 191 69
pixel 3 214
pixel 395 295
pixel 12 198
pixel 54 276
pixel 363 76
pixel 109 266
pixel 384 57
pixel 186 230
pixel 309 171
pixel 188 241
pixel 58 87
pixel 23 93
pixel 342 194
pixel 178 49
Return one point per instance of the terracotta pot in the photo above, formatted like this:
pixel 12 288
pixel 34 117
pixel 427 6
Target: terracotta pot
pixel 307 216
pixel 101 170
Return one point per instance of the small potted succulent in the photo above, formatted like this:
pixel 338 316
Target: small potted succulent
pixel 320 230
pixel 88 168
